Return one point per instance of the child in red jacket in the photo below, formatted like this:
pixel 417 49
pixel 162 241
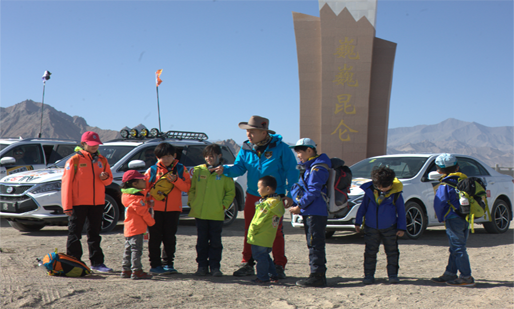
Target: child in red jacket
pixel 137 219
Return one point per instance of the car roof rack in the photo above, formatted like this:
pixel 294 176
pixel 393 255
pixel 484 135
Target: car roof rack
pixel 176 135
pixel 28 139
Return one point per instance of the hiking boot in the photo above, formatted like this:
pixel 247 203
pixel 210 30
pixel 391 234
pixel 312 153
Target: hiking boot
pixel 202 271
pixel 280 272
pixel 273 279
pixel 469 281
pixel 169 269
pixel 314 280
pixel 216 272
pixel 245 270
pixel 394 280
pixel 101 268
pixel 259 281
pixel 140 274
pixel 125 274
pixel 444 278
pixel 159 270
pixel 368 279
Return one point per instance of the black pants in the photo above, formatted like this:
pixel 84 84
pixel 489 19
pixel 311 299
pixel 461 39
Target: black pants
pixel 372 238
pixel 76 221
pixel 208 243
pixel 315 227
pixel 164 230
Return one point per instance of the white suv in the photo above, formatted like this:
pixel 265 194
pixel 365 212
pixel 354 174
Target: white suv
pixel 31 200
pixel 18 155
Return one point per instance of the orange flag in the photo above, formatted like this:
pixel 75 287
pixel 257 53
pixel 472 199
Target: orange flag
pixel 158 80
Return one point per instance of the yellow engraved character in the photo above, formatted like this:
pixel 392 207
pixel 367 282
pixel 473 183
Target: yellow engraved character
pixel 345 76
pixel 344 105
pixel 347 48
pixel 342 130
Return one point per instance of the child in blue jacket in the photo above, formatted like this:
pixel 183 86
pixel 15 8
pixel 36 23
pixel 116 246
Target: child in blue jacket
pixel 384 211
pixel 307 195
pixel 457 228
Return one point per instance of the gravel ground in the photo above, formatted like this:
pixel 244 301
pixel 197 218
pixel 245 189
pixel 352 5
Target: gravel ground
pixel 23 284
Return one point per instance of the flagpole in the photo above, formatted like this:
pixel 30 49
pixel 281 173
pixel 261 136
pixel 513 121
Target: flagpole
pixel 42 105
pixel 46 76
pixel 158 107
pixel 158 81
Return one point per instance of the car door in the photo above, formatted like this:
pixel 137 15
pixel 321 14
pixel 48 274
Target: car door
pixel 429 191
pixel 27 156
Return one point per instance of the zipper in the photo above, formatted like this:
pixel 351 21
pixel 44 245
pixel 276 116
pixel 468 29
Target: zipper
pixel 93 170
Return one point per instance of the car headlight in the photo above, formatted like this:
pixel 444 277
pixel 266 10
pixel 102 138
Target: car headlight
pixel 47 187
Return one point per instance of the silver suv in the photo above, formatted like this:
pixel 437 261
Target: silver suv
pixel 18 155
pixel 31 200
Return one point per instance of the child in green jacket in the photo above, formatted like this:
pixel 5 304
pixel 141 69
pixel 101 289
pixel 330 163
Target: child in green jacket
pixel 209 196
pixel 263 229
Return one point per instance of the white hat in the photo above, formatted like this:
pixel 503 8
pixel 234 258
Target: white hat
pixel 446 160
pixel 307 142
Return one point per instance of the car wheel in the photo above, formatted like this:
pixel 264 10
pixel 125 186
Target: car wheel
pixel 501 218
pixel 110 216
pixel 329 234
pixel 26 227
pixel 416 220
pixel 231 213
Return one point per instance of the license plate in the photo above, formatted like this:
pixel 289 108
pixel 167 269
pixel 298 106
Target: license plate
pixel 8 207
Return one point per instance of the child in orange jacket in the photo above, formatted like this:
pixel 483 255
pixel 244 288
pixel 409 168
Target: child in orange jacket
pixel 167 208
pixel 137 219
pixel 83 197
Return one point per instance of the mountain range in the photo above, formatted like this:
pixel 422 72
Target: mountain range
pixel 493 145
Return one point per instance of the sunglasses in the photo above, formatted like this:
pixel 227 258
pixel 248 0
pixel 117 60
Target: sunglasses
pixel 18 152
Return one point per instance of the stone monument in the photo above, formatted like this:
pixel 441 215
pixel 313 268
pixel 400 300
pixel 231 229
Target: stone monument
pixel 345 75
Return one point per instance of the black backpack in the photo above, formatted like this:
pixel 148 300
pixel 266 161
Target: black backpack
pixel 338 186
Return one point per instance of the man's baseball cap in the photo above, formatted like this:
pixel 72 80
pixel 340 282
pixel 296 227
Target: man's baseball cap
pixel 132 174
pixel 446 160
pixel 306 142
pixel 90 138
pixel 256 122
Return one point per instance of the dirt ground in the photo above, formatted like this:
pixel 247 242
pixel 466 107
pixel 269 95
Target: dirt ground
pixel 24 284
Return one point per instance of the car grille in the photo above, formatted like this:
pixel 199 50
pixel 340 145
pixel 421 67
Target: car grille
pixel 17 204
pixel 16 189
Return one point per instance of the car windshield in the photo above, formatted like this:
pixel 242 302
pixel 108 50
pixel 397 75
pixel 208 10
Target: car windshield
pixel 112 153
pixel 2 146
pixel 404 167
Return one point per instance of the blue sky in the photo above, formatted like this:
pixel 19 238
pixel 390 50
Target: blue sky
pixel 224 61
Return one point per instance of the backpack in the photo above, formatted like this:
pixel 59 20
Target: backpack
pixel 338 186
pixel 163 187
pixel 60 264
pixel 473 190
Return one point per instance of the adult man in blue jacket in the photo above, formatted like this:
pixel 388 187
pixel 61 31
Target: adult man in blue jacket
pixel 264 153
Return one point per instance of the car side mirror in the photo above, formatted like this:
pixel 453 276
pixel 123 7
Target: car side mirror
pixel 434 176
pixel 136 165
pixel 7 161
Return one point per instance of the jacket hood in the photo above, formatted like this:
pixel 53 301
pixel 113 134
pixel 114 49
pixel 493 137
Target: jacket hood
pixel 397 187
pixel 452 178
pixel 320 159
pixel 275 139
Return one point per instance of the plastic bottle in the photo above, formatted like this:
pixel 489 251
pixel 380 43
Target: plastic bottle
pixel 464 205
